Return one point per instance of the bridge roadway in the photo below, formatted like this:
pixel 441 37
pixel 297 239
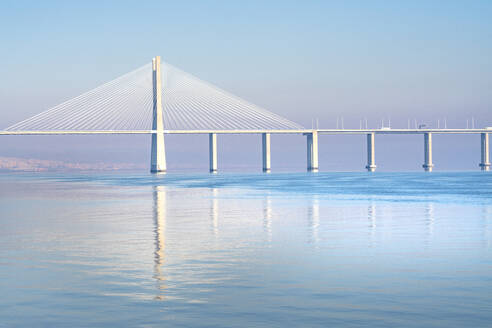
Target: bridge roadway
pixel 312 141
pixel 302 131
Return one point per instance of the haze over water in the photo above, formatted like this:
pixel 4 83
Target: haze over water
pixel 340 249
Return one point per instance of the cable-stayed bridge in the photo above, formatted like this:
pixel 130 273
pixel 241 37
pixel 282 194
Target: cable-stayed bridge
pixel 159 99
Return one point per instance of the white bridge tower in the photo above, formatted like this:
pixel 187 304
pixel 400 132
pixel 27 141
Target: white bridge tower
pixel 158 150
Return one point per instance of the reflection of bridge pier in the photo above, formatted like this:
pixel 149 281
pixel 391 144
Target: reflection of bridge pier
pixel 267 217
pixel 160 211
pixel 487 223
pixel 214 210
pixel 313 219
pixel 429 218
pixel 371 216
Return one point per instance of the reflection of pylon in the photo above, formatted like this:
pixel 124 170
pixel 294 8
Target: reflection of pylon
pixel 160 208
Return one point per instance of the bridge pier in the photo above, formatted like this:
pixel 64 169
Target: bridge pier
pixel 371 153
pixel 484 152
pixel 428 152
pixel 212 144
pixel 158 150
pixel 265 143
pixel 312 151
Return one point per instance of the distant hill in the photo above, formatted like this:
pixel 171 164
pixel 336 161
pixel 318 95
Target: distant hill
pixel 41 165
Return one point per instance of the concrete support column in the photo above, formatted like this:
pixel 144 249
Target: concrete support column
pixel 428 152
pixel 484 150
pixel 212 143
pixel 371 154
pixel 312 151
pixel 265 142
pixel 158 150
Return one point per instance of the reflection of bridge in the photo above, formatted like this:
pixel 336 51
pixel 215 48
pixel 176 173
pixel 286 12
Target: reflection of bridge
pixel 147 101
pixel 260 212
pixel 160 206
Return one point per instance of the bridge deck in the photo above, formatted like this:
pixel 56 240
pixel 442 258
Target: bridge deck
pixel 320 131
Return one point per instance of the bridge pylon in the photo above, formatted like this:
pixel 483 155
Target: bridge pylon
pixel 158 150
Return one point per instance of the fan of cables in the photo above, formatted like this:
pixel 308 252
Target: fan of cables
pixel 126 104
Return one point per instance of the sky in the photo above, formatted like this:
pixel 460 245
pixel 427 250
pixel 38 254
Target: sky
pixel 398 60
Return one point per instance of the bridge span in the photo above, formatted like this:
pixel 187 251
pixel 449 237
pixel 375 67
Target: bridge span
pixel 157 102
pixel 311 137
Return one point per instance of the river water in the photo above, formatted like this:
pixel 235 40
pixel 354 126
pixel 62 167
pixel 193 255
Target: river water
pixel 246 250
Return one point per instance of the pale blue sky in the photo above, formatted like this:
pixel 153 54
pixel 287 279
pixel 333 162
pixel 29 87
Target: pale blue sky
pixel 302 59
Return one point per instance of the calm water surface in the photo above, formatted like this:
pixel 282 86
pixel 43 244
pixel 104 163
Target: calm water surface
pixel 250 250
